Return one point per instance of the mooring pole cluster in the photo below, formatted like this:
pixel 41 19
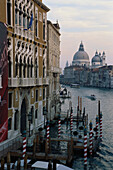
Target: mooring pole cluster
pixel 80 137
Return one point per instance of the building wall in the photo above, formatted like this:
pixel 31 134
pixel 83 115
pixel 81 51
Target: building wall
pixel 27 55
pixel 53 69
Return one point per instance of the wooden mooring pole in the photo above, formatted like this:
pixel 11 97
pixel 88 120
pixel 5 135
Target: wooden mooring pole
pixel 34 147
pixel 99 110
pixel 67 118
pixel 8 161
pixel 2 163
pixel 25 162
pixel 49 166
pixel 78 102
pixel 80 106
pixel 37 143
pixel 18 164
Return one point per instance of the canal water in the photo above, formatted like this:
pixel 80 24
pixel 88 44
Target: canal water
pixel 103 159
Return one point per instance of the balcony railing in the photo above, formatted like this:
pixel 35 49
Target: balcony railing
pixel 38 81
pixel 26 82
pixel 13 82
pixel 21 82
pixel 46 81
pixel 22 32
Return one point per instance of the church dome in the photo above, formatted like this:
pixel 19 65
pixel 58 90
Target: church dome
pixel 81 57
pixel 81 54
pixel 96 58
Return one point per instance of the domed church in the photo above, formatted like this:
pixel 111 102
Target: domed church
pixel 81 58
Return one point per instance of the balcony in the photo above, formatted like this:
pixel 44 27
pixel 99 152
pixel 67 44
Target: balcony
pixel 22 32
pixel 38 81
pixel 46 81
pixel 0 81
pixel 21 82
pixel 25 82
pixel 56 69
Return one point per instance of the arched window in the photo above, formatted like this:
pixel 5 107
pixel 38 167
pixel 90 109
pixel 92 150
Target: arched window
pixel 9 64
pixel 20 15
pixel 43 69
pixel 16 16
pixel 43 26
pixel 36 67
pixel 32 110
pixel 28 65
pixel 9 123
pixel 20 67
pixel 16 66
pixel 16 120
pixel 36 22
pixel 31 67
pixel 24 67
pixel 9 12
pixel 24 18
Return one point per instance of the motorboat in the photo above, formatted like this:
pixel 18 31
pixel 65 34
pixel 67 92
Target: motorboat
pixel 93 97
pixel 75 86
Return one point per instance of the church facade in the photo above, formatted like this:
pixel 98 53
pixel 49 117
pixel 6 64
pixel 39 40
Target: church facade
pixel 81 58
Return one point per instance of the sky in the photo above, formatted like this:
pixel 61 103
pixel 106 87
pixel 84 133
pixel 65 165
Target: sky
pixel 89 21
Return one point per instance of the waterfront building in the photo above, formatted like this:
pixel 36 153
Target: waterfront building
pixel 101 77
pixel 27 54
pixel 75 74
pixel 53 68
pixel 81 57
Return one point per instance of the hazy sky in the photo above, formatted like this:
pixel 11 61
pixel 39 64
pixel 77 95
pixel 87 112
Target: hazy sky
pixel 89 21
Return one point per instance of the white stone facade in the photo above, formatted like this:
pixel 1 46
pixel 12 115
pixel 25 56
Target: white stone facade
pixel 53 68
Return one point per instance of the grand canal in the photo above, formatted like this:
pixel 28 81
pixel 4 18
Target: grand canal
pixel 103 159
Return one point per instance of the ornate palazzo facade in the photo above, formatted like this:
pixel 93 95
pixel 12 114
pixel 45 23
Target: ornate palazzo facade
pixel 27 55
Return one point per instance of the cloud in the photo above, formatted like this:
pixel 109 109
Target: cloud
pixel 99 41
pixel 88 20
pixel 98 11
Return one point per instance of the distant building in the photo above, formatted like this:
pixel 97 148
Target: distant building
pixel 101 77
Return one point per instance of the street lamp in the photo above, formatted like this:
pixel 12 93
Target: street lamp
pixel 29 119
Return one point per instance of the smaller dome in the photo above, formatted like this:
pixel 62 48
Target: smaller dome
pixel 96 58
